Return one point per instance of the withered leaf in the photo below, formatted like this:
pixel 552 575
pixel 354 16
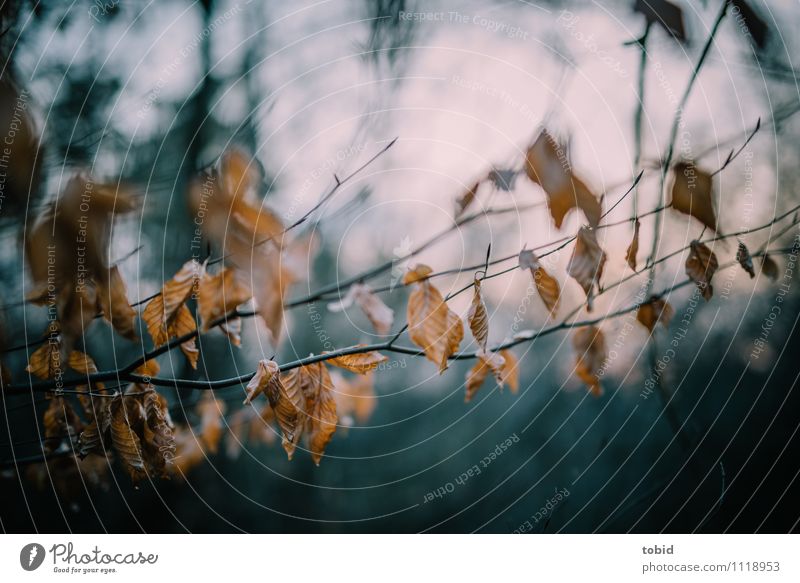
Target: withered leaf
pixel 160 443
pixel 466 199
pixel 633 248
pixel 125 439
pixel 432 325
pixel 162 309
pixel 360 363
pixel 590 348
pixel 60 422
pixel 46 361
pixel 700 267
pixel 546 285
pixel 653 311
pixel 267 373
pixel 693 193
pixel 289 404
pixel 112 299
pixel 547 165
pixel 320 406
pixel 219 295
pixel 183 323
pixel 745 260
pixel 478 317
pixel 502 365
pixel 379 314
pixel 587 262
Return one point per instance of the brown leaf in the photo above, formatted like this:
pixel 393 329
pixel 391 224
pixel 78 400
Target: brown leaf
pixel 112 299
pixel 546 285
pixel 379 314
pixel 503 365
pixel 82 363
pixel 693 193
pixel 745 260
pixel 478 317
pixel 466 199
pixel 181 324
pixel 769 267
pixel 590 347
pixel 700 267
pixel 160 445
pixel 125 439
pixel 360 363
pixel 586 263
pixel 267 373
pixel 633 248
pixel 320 409
pixel 289 404
pixel 432 325
pixel 219 295
pixel 547 165
pixel 162 309
pixel 654 311
pixel 46 361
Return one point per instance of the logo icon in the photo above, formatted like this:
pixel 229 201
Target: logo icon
pixel 31 556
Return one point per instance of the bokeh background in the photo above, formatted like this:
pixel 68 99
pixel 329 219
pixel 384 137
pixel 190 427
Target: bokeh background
pixel 153 91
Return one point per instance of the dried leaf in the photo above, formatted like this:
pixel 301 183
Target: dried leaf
pixel 745 260
pixel 590 347
pixel 547 165
pixel 319 416
pixel 653 311
pixel 432 325
pixel 46 361
pixel 288 404
pixel 125 439
pixel 379 314
pixel 769 267
pixel 112 299
pixel 162 309
pixel 586 263
pixel 502 365
pixel 478 317
pixel 60 423
pixel 466 199
pixel 633 248
pixel 181 324
pixel 160 445
pixel 219 295
pixel 700 267
pixel 360 363
pixel 546 285
pixel 693 193
pixel 267 373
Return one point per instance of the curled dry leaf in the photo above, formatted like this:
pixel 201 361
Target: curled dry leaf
pixel 432 325
pixel 700 267
pixel 654 311
pixel 586 263
pixel 590 348
pixel 379 314
pixel 47 361
pixel 547 165
pixel 159 440
pixel 360 363
pixel 546 285
pixel 319 407
pixel 112 299
pixel 478 317
pixel 745 260
pixel 267 374
pixel 466 199
pixel 183 323
pixel 769 267
pixel 502 365
pixel 633 248
pixel 162 309
pixel 124 437
pixel 218 295
pixel 288 405
pixel 693 193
